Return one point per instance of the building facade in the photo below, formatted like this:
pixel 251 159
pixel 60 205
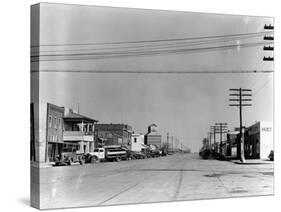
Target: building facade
pixel 137 142
pixel 259 140
pixel 152 137
pixel 231 145
pixel 54 131
pixel 79 129
pixel 52 126
pixel 46 132
pixel 113 134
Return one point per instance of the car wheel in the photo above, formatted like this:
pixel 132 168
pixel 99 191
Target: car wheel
pixel 94 159
pixel 82 160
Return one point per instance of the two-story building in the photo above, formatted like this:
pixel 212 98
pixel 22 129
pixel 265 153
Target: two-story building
pixel 113 134
pixel 54 131
pixel 53 126
pixel 46 132
pixel 79 129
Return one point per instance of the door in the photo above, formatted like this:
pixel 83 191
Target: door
pixel 101 154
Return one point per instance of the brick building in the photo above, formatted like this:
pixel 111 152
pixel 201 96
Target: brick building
pixel 46 132
pixel 113 134
pixel 54 131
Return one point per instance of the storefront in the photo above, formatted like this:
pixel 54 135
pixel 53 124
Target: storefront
pixel 54 149
pixel 54 131
pixel 259 140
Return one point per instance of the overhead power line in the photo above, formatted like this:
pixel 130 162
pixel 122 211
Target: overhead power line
pixel 178 43
pixel 122 54
pixel 148 41
pixel 263 86
pixel 152 71
pixel 150 51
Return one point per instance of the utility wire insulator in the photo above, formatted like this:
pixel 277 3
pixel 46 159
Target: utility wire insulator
pixel 268 37
pixel 268 48
pixel 268 58
pixel 268 27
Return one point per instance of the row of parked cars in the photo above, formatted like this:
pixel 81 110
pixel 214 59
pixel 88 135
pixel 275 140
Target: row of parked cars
pixel 107 153
pixel 211 154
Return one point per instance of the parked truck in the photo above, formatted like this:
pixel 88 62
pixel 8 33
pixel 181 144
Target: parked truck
pixel 107 153
pixel 70 154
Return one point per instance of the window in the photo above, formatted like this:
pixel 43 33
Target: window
pixel 135 140
pixel 50 121
pixel 55 122
pixel 59 123
pixel 108 135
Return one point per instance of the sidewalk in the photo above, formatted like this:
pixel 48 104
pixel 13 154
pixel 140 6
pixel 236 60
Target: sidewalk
pixel 40 165
pixel 253 161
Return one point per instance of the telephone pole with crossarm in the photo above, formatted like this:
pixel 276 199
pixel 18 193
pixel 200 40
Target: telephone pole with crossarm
pixel 242 97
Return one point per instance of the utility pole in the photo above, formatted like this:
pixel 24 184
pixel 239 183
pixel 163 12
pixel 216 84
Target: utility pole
pixel 242 95
pixel 222 129
pixel 168 142
pixel 209 139
pixel 213 131
pixel 269 28
pixel 210 135
pixel 172 138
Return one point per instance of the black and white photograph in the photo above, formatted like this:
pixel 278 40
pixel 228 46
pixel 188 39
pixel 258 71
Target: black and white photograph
pixel 135 106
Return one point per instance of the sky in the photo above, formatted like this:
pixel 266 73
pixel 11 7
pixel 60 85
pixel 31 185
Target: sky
pixel 185 105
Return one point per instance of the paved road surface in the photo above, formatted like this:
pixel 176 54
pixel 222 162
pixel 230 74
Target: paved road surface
pixel 175 177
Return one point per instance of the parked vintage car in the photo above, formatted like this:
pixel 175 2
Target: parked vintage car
pixel 70 154
pixel 156 153
pixel 164 152
pixel 205 153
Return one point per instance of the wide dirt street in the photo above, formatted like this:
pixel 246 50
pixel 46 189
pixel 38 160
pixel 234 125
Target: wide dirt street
pixel 174 177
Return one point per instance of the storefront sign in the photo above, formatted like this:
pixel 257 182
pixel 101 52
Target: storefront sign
pixel 266 129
